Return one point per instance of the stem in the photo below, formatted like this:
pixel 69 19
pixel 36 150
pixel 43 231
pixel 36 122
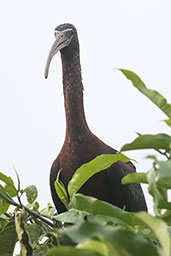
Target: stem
pixel 19 199
pixel 18 190
pixel 7 215
pixel 34 214
pixel 163 153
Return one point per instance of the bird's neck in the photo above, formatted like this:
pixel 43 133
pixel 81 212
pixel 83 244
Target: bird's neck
pixel 76 125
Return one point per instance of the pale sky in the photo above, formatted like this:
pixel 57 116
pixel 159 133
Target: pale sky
pixel 113 34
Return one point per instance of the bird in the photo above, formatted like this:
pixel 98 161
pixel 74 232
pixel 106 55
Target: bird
pixel 81 145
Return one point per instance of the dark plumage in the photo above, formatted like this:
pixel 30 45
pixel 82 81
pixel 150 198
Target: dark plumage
pixel 81 145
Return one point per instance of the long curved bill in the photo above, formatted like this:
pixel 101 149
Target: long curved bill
pixel 62 40
pixel 57 46
pixel 53 51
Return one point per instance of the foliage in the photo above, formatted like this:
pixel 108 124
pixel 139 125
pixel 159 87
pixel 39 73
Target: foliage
pixel 90 226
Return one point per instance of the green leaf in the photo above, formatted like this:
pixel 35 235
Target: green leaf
pixel 36 232
pixel 104 220
pixel 163 173
pixel 3 206
pixel 94 206
pixel 6 179
pixel 152 157
pixel 114 240
pixel 9 187
pixel 87 170
pixel 8 239
pixel 18 179
pixel 3 203
pixel 36 206
pixel 61 191
pixel 140 177
pixel 40 250
pixel 158 193
pixel 71 251
pixel 94 245
pixel 148 141
pixel 153 95
pixel 168 122
pixel 3 221
pixel 167 217
pixel 76 216
pixel 31 193
pixel 71 216
pixel 48 212
pixel 26 248
pixel 11 190
pixel 159 228
pixel 159 179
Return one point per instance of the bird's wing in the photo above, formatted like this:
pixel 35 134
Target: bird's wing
pixel 130 196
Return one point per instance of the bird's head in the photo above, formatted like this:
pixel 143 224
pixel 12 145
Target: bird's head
pixel 66 38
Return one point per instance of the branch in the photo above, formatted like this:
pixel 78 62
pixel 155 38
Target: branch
pixel 34 214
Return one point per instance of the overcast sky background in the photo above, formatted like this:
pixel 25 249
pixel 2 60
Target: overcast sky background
pixel 114 34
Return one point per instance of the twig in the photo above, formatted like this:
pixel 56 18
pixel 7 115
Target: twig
pixel 34 214
pixel 163 153
pixel 7 215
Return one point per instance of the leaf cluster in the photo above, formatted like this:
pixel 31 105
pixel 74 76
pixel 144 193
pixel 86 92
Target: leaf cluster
pixel 90 226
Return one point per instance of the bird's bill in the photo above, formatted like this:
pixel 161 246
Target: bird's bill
pixel 61 41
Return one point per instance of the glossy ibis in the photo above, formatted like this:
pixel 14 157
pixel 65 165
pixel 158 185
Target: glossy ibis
pixel 81 145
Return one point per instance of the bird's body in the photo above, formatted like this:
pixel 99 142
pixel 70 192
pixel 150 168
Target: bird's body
pixel 81 145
